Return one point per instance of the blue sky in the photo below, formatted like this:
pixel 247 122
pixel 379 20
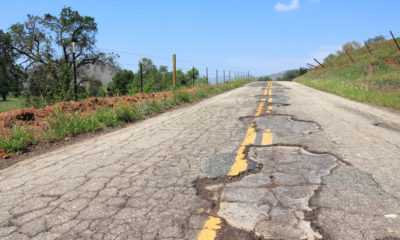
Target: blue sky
pixel 263 36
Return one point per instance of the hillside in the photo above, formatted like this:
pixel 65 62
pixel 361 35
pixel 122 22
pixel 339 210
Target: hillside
pixel 373 79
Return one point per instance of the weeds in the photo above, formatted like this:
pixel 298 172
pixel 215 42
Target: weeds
pixel 71 125
pixel 107 117
pixel 62 124
pixel 18 139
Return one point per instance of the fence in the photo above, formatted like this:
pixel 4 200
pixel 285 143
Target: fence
pixel 213 74
pixel 389 36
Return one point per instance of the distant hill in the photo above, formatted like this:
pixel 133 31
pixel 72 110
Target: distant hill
pixel 276 75
pixel 104 73
pixel 373 78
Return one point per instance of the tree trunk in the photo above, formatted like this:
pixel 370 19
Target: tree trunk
pixel 4 95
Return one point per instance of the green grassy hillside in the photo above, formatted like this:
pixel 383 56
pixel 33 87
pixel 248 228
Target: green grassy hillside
pixel 372 79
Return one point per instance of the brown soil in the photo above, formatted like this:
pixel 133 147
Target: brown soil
pixel 35 119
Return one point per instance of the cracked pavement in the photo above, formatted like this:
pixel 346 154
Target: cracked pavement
pixel 331 172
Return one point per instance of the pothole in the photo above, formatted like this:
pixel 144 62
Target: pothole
pixel 271 201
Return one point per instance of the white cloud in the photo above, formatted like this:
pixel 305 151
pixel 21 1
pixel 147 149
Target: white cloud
pixel 294 4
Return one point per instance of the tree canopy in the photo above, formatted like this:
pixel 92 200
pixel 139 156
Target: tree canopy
pixel 11 77
pixel 44 46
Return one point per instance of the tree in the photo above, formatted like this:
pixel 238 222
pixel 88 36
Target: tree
pixel 376 39
pixel 290 75
pixel 11 77
pixel 122 80
pixel 44 44
pixel 181 78
pixel 94 86
pixel 189 75
pixel 329 57
pixel 265 78
pixel 350 46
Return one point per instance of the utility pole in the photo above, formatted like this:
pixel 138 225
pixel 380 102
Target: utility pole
pixel 75 83
pixel 174 69
pixel 248 75
pixel 230 75
pixel 141 74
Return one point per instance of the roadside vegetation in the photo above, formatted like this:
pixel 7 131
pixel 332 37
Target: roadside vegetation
pixel 373 79
pixel 61 125
pixel 286 76
pixel 37 59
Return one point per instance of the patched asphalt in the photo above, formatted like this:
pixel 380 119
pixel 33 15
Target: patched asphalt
pixel 330 172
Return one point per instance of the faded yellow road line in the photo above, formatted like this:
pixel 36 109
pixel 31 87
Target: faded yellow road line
pixel 209 231
pixel 240 164
pixel 260 108
pixel 267 137
pixel 269 109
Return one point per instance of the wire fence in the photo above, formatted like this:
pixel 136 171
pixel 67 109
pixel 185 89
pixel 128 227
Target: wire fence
pixel 214 74
pixel 389 37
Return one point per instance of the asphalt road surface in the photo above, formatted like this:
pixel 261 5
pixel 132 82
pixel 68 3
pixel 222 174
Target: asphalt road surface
pixel 266 161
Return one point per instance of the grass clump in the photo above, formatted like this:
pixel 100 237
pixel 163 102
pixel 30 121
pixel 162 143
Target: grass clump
pixel 71 125
pixel 18 139
pixel 108 117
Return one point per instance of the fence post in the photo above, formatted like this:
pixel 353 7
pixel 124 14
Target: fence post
pixel 309 64
pixel 224 75
pixel 366 44
pixel 75 83
pixel 348 54
pixel 174 69
pixel 217 76
pixel 207 73
pixel 319 63
pixel 193 72
pixel 394 39
pixel 141 74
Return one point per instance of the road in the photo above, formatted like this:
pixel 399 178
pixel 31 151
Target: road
pixel 266 161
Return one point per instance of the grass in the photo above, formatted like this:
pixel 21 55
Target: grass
pixel 62 125
pixel 371 79
pixel 11 104
pixel 16 140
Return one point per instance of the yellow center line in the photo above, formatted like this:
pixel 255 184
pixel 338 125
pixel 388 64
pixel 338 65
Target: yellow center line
pixel 269 109
pixel 240 164
pixel 267 137
pixel 209 231
pixel 210 228
pixel 260 108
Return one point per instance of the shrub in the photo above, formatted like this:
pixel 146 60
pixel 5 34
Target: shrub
pixel 375 40
pixel 155 106
pixel 182 97
pixel 144 109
